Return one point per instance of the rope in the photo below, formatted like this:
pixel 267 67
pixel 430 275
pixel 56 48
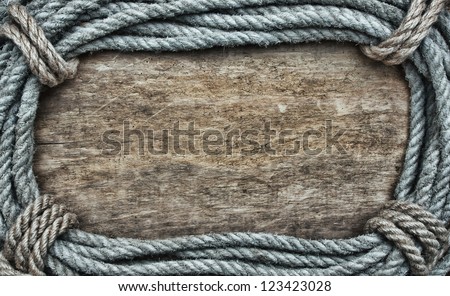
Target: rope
pixel 407 38
pixel 6 268
pixel 34 231
pixel 402 221
pixel 40 42
pixel 42 57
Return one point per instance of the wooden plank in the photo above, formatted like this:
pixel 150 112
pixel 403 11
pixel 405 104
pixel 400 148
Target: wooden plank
pixel 325 189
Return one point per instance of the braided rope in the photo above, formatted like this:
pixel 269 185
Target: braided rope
pixel 6 268
pixel 407 38
pixel 40 45
pixel 402 222
pixel 42 57
pixel 34 231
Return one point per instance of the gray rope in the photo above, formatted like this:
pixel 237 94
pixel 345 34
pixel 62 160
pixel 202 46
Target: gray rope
pixel 409 237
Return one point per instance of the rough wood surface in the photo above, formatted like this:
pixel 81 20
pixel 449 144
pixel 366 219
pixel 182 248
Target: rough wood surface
pixel 312 90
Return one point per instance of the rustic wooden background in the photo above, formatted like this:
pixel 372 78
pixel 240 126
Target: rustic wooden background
pixel 135 193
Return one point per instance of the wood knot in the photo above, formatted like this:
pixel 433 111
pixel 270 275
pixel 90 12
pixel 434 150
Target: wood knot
pixel 34 232
pixel 421 16
pixel 418 234
pixel 43 59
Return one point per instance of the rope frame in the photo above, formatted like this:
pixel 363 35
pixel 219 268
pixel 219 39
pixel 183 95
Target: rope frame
pixel 41 42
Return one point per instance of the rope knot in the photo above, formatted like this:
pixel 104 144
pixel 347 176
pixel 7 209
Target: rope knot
pixel 421 16
pixel 33 233
pixel 43 59
pixel 408 225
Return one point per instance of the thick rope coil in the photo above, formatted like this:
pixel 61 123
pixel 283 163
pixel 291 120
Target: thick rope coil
pixel 42 57
pixel 34 232
pixel 6 269
pixel 404 224
pixel 413 242
pixel 421 16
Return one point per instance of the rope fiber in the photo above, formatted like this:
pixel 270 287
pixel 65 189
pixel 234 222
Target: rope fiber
pixel 40 41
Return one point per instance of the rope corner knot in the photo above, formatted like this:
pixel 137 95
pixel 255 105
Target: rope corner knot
pixel 407 226
pixel 421 16
pixel 43 59
pixel 34 232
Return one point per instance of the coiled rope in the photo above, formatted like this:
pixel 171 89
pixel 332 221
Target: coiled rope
pixel 41 40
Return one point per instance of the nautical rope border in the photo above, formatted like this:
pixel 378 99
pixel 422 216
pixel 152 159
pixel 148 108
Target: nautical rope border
pixel 409 236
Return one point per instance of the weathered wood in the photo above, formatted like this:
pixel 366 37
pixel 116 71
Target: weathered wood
pixel 304 88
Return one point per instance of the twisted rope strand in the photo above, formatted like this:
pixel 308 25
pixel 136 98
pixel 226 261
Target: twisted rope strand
pixel 6 268
pixel 37 234
pixel 413 29
pixel 35 230
pixel 44 61
pixel 402 222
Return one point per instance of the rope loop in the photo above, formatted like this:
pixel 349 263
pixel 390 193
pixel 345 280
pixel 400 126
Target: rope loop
pixel 34 232
pixel 405 223
pixel 408 239
pixel 421 16
pixel 42 57
pixel 6 269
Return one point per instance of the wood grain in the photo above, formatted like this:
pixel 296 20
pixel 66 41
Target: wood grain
pixel 316 90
